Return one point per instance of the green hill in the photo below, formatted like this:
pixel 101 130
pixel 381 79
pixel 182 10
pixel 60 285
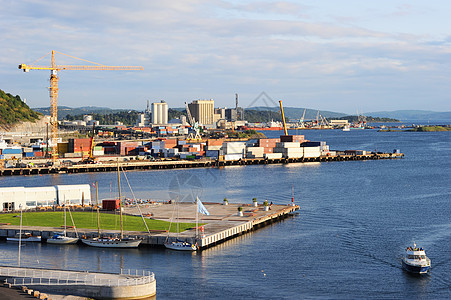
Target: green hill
pixel 13 110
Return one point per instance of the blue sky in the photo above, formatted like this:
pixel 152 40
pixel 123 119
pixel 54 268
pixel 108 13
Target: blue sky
pixel 343 56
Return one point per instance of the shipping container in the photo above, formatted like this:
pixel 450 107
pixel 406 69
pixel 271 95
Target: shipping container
pixel 233 156
pixel 212 153
pixel 273 155
pixel 110 204
pixel 234 147
pixel 313 144
pixel 12 151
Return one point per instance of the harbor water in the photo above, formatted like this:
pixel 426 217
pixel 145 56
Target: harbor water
pixel 355 220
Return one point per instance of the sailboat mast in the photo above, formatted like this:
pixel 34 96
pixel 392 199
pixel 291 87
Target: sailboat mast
pixel 197 211
pixel 65 226
pixel 20 234
pixel 120 198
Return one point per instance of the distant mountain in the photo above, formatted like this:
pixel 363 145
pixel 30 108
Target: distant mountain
pixel 296 112
pixel 420 115
pixel 63 111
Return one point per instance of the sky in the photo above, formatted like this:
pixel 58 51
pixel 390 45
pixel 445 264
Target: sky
pixel 344 56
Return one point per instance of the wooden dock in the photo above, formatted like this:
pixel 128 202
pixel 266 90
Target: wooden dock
pixel 110 166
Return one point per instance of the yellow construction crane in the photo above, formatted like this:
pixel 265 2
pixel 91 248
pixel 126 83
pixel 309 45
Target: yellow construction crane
pixel 54 69
pixel 283 118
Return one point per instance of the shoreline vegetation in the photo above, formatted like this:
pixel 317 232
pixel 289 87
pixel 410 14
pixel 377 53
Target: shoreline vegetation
pixel 432 128
pixel 88 220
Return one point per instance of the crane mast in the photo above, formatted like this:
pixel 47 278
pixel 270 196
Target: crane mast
pixel 53 89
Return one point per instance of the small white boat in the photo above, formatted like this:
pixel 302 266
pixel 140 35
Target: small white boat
pixel 112 242
pixel 415 260
pixel 61 239
pixel 347 128
pixel 181 246
pixel 26 237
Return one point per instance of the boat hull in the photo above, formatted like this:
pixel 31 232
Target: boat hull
pixel 36 239
pixel 180 246
pixel 62 240
pixel 415 268
pixel 101 243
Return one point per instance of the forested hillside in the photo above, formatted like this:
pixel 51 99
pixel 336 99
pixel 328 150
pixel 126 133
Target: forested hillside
pixel 13 110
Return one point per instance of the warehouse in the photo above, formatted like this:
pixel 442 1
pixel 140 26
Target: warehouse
pixel 11 198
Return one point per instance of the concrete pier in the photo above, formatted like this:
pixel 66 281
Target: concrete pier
pixel 127 285
pixel 111 166
pixel 222 224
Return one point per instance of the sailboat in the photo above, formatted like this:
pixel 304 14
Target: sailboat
pixel 184 245
pixel 62 239
pixel 23 237
pixel 112 242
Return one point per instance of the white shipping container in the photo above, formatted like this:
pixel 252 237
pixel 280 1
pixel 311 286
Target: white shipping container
pixel 233 156
pixel 213 148
pixel 273 155
pixel 288 145
pixel 234 147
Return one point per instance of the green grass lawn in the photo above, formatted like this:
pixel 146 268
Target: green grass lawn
pixel 89 220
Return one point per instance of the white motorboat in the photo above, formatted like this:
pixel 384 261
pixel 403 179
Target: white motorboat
pixel 25 237
pixel 415 260
pixel 62 239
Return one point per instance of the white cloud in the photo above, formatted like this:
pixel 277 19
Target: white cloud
pixel 320 53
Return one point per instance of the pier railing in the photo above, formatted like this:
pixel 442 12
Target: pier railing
pixel 18 277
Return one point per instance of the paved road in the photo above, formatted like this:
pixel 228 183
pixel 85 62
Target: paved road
pixel 13 294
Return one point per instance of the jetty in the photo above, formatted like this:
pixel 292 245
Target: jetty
pixel 223 223
pixel 111 165
pixel 36 281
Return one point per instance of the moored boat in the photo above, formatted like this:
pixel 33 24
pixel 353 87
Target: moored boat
pixel 415 260
pixel 112 242
pixel 181 246
pixel 25 237
pixel 61 239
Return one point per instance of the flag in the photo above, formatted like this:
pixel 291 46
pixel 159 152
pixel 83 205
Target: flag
pixel 201 208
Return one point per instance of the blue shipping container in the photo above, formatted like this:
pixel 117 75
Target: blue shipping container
pixel 11 151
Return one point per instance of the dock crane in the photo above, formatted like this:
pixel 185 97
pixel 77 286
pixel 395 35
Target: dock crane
pixel 54 69
pixel 283 118
pixel 195 137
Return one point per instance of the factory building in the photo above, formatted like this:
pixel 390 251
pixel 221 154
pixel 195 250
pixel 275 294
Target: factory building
pixel 12 198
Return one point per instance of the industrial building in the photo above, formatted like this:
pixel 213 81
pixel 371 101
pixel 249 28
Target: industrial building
pixel 203 111
pixel 12 198
pixel 159 113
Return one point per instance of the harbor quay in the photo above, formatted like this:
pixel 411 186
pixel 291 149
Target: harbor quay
pixel 223 223
pixel 111 165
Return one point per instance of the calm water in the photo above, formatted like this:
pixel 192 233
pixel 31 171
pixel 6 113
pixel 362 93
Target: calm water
pixel 356 218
